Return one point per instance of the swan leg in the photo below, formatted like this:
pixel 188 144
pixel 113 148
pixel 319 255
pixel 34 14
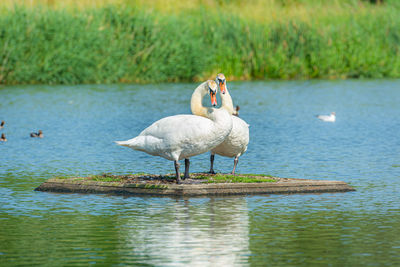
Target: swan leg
pixel 235 162
pixel 187 164
pixel 212 164
pixel 178 175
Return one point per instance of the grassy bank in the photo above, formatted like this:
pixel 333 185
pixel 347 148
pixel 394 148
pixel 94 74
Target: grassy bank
pixel 50 43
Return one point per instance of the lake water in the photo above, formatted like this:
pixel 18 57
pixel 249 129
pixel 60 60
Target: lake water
pixel 80 124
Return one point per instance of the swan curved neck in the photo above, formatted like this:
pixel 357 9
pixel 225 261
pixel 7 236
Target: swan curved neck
pixel 226 100
pixel 196 105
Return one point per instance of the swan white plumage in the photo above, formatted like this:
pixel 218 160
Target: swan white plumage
pixel 236 142
pixel 328 118
pixel 183 136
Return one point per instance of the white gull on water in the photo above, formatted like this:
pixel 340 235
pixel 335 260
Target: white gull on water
pixel 328 118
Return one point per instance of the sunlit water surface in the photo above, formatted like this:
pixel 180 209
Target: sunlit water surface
pixel 80 124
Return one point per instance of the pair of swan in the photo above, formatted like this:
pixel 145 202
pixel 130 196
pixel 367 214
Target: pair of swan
pixel 183 136
pixel 236 142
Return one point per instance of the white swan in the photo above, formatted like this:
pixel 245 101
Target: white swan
pixel 328 118
pixel 183 136
pixel 238 139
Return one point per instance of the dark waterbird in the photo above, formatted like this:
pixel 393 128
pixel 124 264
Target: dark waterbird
pixel 2 124
pixel 38 134
pixel 236 113
pixel 3 138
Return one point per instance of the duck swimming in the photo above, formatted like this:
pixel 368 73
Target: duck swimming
pixel 3 138
pixel 38 134
pixel 2 124
pixel 183 136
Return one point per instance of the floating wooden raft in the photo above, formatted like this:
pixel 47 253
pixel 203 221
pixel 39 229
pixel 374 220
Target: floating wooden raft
pixel 191 187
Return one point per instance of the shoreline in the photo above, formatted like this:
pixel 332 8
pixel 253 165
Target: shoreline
pixel 109 45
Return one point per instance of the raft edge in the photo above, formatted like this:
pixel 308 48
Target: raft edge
pixel 289 186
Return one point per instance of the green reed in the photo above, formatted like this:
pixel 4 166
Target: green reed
pixel 113 44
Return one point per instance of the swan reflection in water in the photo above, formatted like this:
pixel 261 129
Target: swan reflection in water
pixel 196 232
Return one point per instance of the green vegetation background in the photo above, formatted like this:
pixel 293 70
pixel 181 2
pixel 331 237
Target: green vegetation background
pixel 136 42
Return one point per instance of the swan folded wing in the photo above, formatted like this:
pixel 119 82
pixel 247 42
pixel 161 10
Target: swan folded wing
pixel 189 134
pixel 237 140
pixel 179 126
pixel 239 133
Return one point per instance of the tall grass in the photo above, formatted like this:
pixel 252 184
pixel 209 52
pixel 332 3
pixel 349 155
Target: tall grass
pixel 95 42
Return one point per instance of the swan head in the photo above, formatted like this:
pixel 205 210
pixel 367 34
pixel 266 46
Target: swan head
pixel 333 113
pixel 221 81
pixel 212 88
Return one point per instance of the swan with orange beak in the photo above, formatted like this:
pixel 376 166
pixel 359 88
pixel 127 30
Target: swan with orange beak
pixel 235 144
pixel 183 136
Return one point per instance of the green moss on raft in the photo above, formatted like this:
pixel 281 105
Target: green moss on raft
pixel 106 178
pixel 238 179
pixel 63 177
pixel 256 175
pixel 144 180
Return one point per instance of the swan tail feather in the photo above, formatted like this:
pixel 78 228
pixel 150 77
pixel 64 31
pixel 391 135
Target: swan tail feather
pixel 132 143
pixel 122 143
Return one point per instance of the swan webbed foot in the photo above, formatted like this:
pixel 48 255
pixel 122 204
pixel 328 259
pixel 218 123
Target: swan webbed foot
pixel 178 175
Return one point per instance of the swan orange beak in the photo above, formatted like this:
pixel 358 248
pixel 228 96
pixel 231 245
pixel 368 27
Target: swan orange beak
pixel 213 99
pixel 222 87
